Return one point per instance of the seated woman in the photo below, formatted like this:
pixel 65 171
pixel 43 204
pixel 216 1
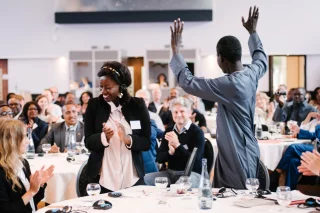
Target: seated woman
pixel 20 191
pixel 291 158
pixel 84 100
pixel 117 130
pixel 39 128
pixel 45 114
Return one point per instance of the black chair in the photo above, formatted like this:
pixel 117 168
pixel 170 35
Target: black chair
pixel 82 180
pixel 190 162
pixel 208 154
pixel 263 176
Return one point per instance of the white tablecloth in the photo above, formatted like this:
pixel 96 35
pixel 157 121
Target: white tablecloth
pixel 270 153
pixel 62 185
pixel 143 199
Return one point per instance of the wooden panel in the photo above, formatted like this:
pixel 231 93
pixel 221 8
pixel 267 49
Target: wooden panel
pixel 293 71
pixel 4 87
pixel 136 63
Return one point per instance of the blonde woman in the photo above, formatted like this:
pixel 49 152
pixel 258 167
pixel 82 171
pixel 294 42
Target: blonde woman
pixel 20 191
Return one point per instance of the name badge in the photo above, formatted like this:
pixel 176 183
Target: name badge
pixel 135 125
pixel 185 146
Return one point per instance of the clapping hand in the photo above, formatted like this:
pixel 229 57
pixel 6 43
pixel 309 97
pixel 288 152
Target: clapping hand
pixel 310 163
pixel 108 131
pixel 172 139
pixel 251 23
pixel 176 35
pixel 122 134
pixel 35 182
pixel 46 174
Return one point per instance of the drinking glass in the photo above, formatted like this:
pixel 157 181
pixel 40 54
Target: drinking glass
pixel 161 183
pixel 46 147
pixel 290 124
pixel 93 189
pixel 284 196
pixel 252 184
pixel 185 184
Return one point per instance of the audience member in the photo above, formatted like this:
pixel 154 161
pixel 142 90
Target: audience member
pixel 53 108
pixel 39 128
pixel 20 190
pixel 45 114
pixel 296 111
pixel 291 159
pixel 5 111
pixel 55 95
pixel 145 95
pixel 117 130
pixel 162 80
pixel 156 105
pixel 16 107
pixel 177 145
pixel 84 100
pixel 315 102
pixel 60 133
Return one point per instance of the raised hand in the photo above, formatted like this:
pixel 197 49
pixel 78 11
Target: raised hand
pixel 251 23
pixel 176 35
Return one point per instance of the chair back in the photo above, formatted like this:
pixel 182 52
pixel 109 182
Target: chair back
pixel 190 162
pixel 208 154
pixel 82 180
pixel 263 176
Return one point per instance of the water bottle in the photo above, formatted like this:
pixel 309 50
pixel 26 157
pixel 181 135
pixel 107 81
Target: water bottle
pixel 259 128
pixel 205 189
pixel 31 149
pixel 72 146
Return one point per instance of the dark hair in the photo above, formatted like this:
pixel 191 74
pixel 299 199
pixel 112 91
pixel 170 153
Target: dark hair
pixel 26 107
pixel 120 74
pixel 229 47
pixel 314 94
pixel 88 93
pixel 165 78
pixel 9 96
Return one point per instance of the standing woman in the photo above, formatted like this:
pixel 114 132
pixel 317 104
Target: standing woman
pixel 30 112
pixel 117 130
pixel 19 190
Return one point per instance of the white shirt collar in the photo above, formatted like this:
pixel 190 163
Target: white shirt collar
pixel 184 128
pixel 67 127
pixel 113 106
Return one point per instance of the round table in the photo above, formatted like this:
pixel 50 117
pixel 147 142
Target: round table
pixel 143 199
pixel 62 185
pixel 271 151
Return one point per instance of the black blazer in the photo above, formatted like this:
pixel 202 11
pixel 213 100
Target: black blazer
pixel 152 107
pixel 11 201
pixel 98 112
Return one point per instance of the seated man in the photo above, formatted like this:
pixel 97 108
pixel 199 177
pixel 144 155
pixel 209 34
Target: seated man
pixel 291 159
pixel 16 106
pixel 165 113
pixel 60 133
pixel 177 145
pixel 296 111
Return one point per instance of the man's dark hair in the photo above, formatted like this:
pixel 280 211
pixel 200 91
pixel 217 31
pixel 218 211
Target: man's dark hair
pixel 229 47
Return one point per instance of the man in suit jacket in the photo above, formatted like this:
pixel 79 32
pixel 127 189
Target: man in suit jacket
pixel 58 136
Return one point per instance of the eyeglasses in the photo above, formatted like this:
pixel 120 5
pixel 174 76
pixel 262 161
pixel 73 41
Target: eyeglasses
pixel 6 113
pixel 14 104
pixel 224 193
pixel 260 193
pixel 34 109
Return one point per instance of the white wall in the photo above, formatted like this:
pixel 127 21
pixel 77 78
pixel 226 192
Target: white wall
pixel 313 74
pixel 34 75
pixel 29 31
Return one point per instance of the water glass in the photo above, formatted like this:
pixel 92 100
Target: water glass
pixel 284 196
pixel 93 189
pixel 161 183
pixel 290 124
pixel 252 184
pixel 46 147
